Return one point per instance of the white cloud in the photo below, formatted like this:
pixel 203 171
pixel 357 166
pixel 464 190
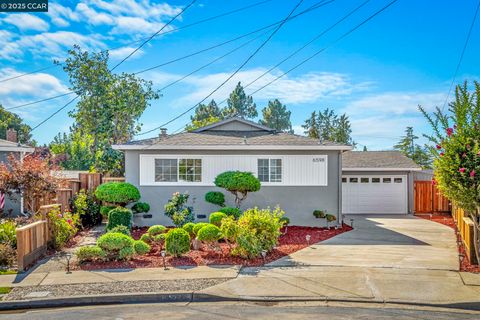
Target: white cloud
pixel 125 51
pixel 136 25
pixel 25 21
pixel 92 16
pixel 143 8
pixel 60 15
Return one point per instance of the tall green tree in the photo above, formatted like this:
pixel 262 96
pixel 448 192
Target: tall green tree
pixel 109 106
pixel 412 150
pixel 455 145
pixel 72 151
pixel 240 105
pixel 12 120
pixel 276 116
pixel 328 126
pixel 205 114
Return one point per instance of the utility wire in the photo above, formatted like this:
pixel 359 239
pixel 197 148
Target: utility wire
pixel 233 74
pixel 311 8
pixel 118 64
pixel 221 15
pixel 461 55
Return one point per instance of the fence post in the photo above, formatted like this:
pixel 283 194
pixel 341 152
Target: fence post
pixel 74 184
pixel 94 180
pixel 63 198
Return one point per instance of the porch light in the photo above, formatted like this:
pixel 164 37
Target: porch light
pixel 68 257
pixel 264 255
pixel 308 237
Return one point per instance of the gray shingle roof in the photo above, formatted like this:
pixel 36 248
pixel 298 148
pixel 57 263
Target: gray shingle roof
pixel 211 138
pixel 377 159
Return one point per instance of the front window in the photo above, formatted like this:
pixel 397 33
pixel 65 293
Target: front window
pixel 270 170
pixel 175 170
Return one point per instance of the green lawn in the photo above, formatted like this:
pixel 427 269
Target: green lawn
pixel 7 272
pixel 5 290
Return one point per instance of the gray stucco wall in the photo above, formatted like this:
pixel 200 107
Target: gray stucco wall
pixel 297 202
pixel 410 182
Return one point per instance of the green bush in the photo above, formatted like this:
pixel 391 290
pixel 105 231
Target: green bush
pixel 159 238
pixel 189 228
pixel 141 207
pixel 114 242
pixel 119 216
pixel 120 193
pixel 330 217
pixel 319 214
pixel 8 234
pixel 231 211
pixel 8 255
pixel 85 205
pixel 199 226
pixel 216 218
pixel 209 233
pixel 177 242
pixel 239 183
pixel 121 229
pixel 229 229
pixel 90 253
pixel 177 210
pixel 156 230
pixel 215 197
pixel 141 247
pixel 258 229
pixel 146 238
pixel 285 221
pixel 104 210
pixel 126 253
pixel 63 227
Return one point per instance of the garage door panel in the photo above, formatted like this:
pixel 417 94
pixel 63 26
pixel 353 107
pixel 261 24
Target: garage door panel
pixel 375 197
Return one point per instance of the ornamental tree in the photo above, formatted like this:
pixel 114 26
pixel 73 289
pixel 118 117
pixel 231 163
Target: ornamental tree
pixel 456 150
pixel 238 183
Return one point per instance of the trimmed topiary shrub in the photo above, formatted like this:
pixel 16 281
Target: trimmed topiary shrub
pixel 231 211
pixel 209 233
pixel 177 242
pixel 159 238
pixel 189 228
pixel 177 209
pixel 104 210
pixel 121 193
pixel 229 229
pixel 319 214
pixel 90 253
pixel 126 253
pixel 116 246
pixel 156 230
pixel 141 207
pixel 121 229
pixel 330 217
pixel 146 238
pixel 238 183
pixel 215 197
pixel 141 247
pixel 285 221
pixel 119 216
pixel 216 218
pixel 199 226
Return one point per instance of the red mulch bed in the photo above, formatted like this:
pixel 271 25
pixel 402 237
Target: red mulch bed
pixel 290 242
pixel 447 219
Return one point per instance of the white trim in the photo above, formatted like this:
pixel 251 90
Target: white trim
pixel 139 147
pixel 16 149
pixel 381 169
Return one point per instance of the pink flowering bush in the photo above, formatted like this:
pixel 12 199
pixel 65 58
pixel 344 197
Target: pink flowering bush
pixel 62 226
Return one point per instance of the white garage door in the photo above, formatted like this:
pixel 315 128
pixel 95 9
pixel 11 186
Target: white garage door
pixel 383 194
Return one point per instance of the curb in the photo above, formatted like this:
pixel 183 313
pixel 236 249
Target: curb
pixel 192 297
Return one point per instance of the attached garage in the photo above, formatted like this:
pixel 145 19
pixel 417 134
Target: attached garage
pixel 377 182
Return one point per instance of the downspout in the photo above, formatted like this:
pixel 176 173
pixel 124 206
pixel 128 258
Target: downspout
pixel 340 172
pixel 22 154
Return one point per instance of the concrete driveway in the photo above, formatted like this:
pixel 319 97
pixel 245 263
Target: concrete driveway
pixel 384 241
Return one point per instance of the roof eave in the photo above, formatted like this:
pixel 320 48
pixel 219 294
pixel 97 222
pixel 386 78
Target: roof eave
pixel 382 169
pixel 230 147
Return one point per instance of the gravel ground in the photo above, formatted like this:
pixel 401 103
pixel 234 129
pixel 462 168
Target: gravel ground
pixel 21 293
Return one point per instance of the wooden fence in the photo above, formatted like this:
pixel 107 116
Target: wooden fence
pixel 465 229
pixel 32 242
pixel 428 199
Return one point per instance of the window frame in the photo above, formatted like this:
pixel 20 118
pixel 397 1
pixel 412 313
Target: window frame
pixel 178 164
pixel 269 168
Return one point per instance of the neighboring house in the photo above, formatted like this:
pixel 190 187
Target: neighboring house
pixel 297 173
pixel 13 204
pixel 378 182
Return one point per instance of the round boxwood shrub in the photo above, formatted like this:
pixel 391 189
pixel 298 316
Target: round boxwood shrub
pixel 141 207
pixel 120 193
pixel 104 210
pixel 141 247
pixel 90 253
pixel 177 242
pixel 216 218
pixel 285 221
pixel 330 217
pixel 119 216
pixel 319 214
pixel 126 253
pixel 209 233
pixel 121 229
pixel 159 238
pixel 238 183
pixel 189 228
pixel 199 226
pixel 215 197
pixel 231 211
pixel 112 241
pixel 156 230
pixel 146 238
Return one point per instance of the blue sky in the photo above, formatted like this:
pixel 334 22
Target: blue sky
pixel 378 75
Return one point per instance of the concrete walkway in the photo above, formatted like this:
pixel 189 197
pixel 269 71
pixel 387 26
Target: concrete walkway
pixel 384 242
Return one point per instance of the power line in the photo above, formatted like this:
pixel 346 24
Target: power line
pixel 118 64
pixel 221 15
pixel 461 55
pixel 234 73
pixel 311 8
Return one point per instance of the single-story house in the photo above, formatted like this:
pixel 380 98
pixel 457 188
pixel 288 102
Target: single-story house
pixel 298 173
pixel 14 204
